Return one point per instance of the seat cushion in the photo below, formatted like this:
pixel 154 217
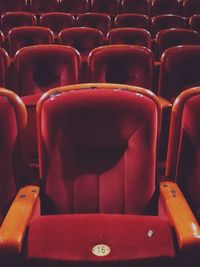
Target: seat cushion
pixel 99 237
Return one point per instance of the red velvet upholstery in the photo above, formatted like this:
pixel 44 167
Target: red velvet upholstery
pixel 132 36
pixel 17 5
pixel 166 21
pixel 159 7
pixel 28 35
pixel 84 39
pixel 127 237
pixel 10 20
pixel 132 20
pixel 2 38
pixel 39 68
pixel 179 70
pixel 110 7
pixel 4 63
pixel 183 150
pixel 98 136
pixel 57 21
pixel 174 37
pixel 99 21
pixel 12 122
pixel 73 6
pixel 136 6
pixel 124 64
pixel 191 7
pixel 194 22
pixel 41 6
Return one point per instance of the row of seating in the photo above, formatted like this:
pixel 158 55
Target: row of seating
pixel 112 7
pixel 85 39
pixel 57 21
pixel 100 198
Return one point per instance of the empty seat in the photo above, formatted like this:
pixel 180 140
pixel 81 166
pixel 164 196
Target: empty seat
pixel 166 21
pixel 191 7
pixel 132 36
pixel 180 70
pixel 110 7
pixel 132 20
pixel 57 21
pixel 4 63
pixel 84 39
pixel 17 5
pixel 41 6
pixel 159 7
pixel 41 67
pixel 174 37
pixel 10 20
pixel 99 21
pixel 123 64
pixel 136 6
pixel 73 6
pixel 194 23
pixel 28 35
pixel 94 141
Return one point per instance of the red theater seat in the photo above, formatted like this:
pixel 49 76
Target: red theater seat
pixel 41 6
pixel 4 64
pixel 98 156
pixel 28 35
pixel 132 36
pixel 57 21
pixel 194 23
pixel 174 37
pixel 166 21
pixel 191 7
pixel 183 148
pixel 17 5
pixel 73 6
pixel 123 64
pixel 159 7
pixel 136 6
pixel 110 7
pixel 10 20
pixel 99 21
pixel 180 70
pixel 132 20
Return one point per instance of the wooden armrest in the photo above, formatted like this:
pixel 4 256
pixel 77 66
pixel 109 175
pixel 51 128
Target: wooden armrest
pixel 180 215
pixel 14 226
pixel 164 102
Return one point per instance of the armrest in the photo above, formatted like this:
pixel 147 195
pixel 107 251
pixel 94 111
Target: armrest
pixel 14 226
pixel 164 103
pixel 180 215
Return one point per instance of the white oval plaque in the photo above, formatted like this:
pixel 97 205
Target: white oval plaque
pixel 101 250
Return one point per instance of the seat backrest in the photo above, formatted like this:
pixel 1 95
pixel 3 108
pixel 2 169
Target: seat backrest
pixel 28 35
pixel 41 6
pixel 94 143
pixel 12 122
pixel 125 64
pixel 57 21
pixel 41 67
pixel 73 6
pixel 83 39
pixel 132 36
pixel 4 64
pixel 166 21
pixel 99 21
pixel 191 7
pixel 110 7
pixel 174 37
pixel 17 5
pixel 132 20
pixel 136 6
pixel 183 159
pixel 159 7
pixel 10 20
pixel 194 22
pixel 180 70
